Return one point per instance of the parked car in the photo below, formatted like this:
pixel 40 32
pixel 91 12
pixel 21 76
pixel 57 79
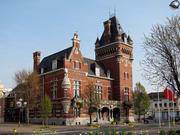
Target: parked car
pixel 147 120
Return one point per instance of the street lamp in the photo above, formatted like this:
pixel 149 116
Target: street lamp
pixel 20 104
pixel 174 4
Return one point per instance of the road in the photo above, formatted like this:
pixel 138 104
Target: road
pixel 148 129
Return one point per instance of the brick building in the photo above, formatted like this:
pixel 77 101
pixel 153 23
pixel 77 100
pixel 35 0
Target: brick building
pixel 66 74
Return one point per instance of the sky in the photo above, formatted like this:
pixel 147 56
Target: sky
pixel 48 26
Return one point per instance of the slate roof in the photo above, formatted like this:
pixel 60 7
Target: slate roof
pixel 91 67
pixel 115 31
pixel 46 63
pixel 115 28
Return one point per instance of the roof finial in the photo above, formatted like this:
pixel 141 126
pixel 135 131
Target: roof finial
pixel 114 10
pixel 109 14
pixel 76 35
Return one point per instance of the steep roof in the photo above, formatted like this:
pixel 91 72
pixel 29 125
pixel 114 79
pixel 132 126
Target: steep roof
pixel 115 29
pixel 92 64
pixel 46 63
pixel 113 32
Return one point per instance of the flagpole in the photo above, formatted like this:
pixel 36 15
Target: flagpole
pixel 159 111
pixel 169 111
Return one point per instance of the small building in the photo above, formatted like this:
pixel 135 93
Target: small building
pixel 1 103
pixel 164 107
pixel 12 112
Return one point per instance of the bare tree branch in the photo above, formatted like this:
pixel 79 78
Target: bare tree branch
pixel 162 57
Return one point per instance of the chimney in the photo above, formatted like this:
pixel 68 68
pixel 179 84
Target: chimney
pixel 36 58
pixel 107 31
pixel 76 41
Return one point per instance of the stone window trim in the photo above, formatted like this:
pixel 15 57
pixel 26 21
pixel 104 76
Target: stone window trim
pixel 76 64
pixel 126 94
pixel 54 89
pixel 98 92
pixel 76 88
pixel 126 75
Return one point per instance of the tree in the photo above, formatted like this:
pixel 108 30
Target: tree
pixel 90 100
pixel 141 100
pixel 46 109
pixel 28 83
pixel 162 56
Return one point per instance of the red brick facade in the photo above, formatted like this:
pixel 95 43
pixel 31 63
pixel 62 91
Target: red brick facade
pixel 111 71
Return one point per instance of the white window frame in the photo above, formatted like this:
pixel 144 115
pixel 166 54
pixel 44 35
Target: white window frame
pixel 98 92
pixel 54 64
pixel 77 86
pixel 54 88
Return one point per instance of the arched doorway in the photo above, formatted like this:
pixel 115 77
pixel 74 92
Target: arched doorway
pixel 116 114
pixel 105 113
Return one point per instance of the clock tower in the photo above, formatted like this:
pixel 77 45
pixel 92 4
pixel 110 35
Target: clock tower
pixel 114 50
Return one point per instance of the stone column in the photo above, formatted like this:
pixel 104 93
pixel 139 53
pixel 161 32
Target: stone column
pixel 66 84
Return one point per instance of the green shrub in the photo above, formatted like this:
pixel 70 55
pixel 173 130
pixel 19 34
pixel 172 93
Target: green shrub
pixel 171 132
pixel 162 132
pixel 123 133
pixel 130 133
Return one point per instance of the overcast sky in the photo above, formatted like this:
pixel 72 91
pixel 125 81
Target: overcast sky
pixel 48 26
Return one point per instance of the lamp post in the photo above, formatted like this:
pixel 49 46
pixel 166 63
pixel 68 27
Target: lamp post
pixel 175 4
pixel 20 104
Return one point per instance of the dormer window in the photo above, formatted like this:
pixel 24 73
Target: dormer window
pixel 97 71
pixel 54 64
pixel 108 74
pixel 42 70
pixel 125 39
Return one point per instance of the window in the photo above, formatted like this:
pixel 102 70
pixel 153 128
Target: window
pixel 98 92
pixel 160 104
pixel 126 94
pixel 165 104
pixel 77 112
pixel 170 104
pixel 77 65
pixel 97 71
pixel 174 104
pixel 126 75
pixel 77 88
pixel 108 74
pixel 109 93
pixel 42 70
pixel 54 64
pixel 54 89
pixel 155 105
